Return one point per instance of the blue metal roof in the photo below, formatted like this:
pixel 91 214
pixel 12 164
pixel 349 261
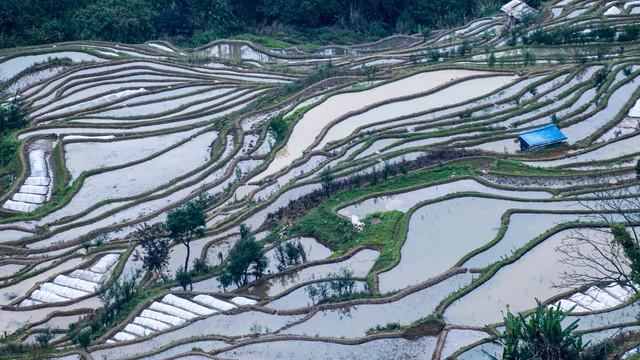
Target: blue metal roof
pixel 542 136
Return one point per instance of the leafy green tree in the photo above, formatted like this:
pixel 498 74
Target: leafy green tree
pixel 637 168
pixel 343 284
pixel 13 115
pixel 8 151
pixel 213 19
pixel 287 255
pixel 174 17
pixel 186 223
pixel 128 21
pixel 630 33
pixel 156 248
pixel 539 336
pixel 246 258
pixel 426 32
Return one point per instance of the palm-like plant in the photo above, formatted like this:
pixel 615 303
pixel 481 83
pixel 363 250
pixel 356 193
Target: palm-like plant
pixel 539 336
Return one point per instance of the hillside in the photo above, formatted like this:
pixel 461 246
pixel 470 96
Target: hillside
pixel 385 182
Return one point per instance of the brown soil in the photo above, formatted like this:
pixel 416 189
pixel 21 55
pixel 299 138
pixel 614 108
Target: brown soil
pixel 421 330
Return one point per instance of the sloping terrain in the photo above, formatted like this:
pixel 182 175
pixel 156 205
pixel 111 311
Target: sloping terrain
pixel 420 138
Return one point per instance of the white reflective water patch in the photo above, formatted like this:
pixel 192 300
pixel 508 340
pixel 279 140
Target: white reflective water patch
pixel 37 181
pixel 29 302
pixel 619 291
pixel 88 275
pixel 36 186
pixel 28 198
pixel 122 336
pixel 47 297
pixel 19 206
pixel 240 300
pixel 138 330
pixel 62 291
pixel 187 305
pixel 75 283
pixel 602 296
pixel 151 323
pixel 169 319
pixel 105 263
pixel 172 310
pixel 213 302
pixel 34 189
pixel 38 164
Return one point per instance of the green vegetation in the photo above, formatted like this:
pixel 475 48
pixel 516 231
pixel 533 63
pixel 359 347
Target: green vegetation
pixel 155 245
pixel 341 287
pixel 195 22
pixel 44 337
pixel 288 255
pixel 380 228
pixel 246 258
pixel 184 278
pixel 540 336
pixel 630 247
pixel 327 180
pixel 13 116
pixel 118 301
pixel 186 223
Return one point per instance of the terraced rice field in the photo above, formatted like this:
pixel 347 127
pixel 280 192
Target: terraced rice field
pixel 458 222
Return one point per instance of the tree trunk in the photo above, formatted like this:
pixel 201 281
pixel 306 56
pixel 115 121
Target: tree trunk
pixel 186 260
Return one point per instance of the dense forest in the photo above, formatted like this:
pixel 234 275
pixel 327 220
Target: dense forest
pixel 196 22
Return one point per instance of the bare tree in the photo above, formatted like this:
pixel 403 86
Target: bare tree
pixel 596 255
pixel 593 258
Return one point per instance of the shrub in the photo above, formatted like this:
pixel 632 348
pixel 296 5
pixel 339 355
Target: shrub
pixel 84 338
pixel 200 267
pixel 121 293
pixel 627 70
pixel 184 278
pixel 44 337
pixel 278 127
pixel 327 180
pixel 374 177
pixel 600 77
pixel 491 60
pixel 356 179
pixel 630 33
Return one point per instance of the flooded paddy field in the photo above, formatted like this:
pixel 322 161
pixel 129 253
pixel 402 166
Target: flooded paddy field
pixel 396 208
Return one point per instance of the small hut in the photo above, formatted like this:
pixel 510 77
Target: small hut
pixel 541 136
pixel 516 10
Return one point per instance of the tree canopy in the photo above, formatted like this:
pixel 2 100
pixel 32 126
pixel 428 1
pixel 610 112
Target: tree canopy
pixel 155 245
pixel 186 223
pixel 246 258
pixel 127 21
pixel 31 22
pixel 13 115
